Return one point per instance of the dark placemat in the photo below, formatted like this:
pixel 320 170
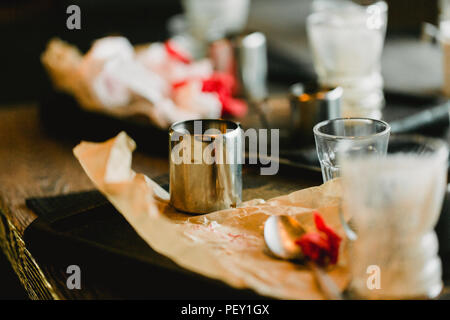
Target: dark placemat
pixel 62 117
pixel 84 229
pixel 114 261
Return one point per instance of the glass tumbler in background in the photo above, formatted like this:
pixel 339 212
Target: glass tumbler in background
pixel 347 41
pixel 348 137
pixel 211 20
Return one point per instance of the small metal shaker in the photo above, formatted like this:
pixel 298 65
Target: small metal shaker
pixel 245 56
pixel 205 165
pixel 311 104
pixel 251 65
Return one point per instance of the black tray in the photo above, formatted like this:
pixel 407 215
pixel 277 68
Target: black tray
pixel 84 229
pixel 63 117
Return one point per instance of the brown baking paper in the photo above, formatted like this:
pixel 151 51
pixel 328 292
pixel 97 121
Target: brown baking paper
pixel 227 245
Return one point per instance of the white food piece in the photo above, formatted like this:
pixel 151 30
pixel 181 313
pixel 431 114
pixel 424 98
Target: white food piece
pixel 173 113
pixel 111 47
pixel 156 58
pixel 97 66
pixel 140 80
pixel 190 97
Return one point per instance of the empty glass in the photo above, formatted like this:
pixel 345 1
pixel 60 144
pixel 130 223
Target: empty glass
pixel 347 41
pixel 211 20
pixel 394 204
pixel 349 137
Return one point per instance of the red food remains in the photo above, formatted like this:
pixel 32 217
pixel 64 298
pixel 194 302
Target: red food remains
pixel 222 84
pixel 176 54
pixel 321 247
pixel 179 84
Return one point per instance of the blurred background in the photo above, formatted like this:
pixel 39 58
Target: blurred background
pixel 27 25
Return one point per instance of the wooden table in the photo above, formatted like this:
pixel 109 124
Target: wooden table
pixel 36 164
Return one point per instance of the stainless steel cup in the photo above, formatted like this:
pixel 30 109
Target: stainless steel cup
pixel 251 65
pixel 311 104
pixel 205 165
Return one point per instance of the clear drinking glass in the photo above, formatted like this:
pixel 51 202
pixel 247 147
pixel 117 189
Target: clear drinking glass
pixel 394 205
pixel 347 41
pixel 211 20
pixel 349 137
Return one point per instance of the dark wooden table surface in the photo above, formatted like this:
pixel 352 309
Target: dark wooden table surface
pixel 34 164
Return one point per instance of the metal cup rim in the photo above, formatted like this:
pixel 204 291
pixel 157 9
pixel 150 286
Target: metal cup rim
pixel 329 92
pixel 230 132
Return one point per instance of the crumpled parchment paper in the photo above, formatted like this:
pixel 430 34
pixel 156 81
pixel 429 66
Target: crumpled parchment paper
pixel 227 245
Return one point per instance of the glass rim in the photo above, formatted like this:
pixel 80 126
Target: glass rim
pixel 318 91
pixel 319 125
